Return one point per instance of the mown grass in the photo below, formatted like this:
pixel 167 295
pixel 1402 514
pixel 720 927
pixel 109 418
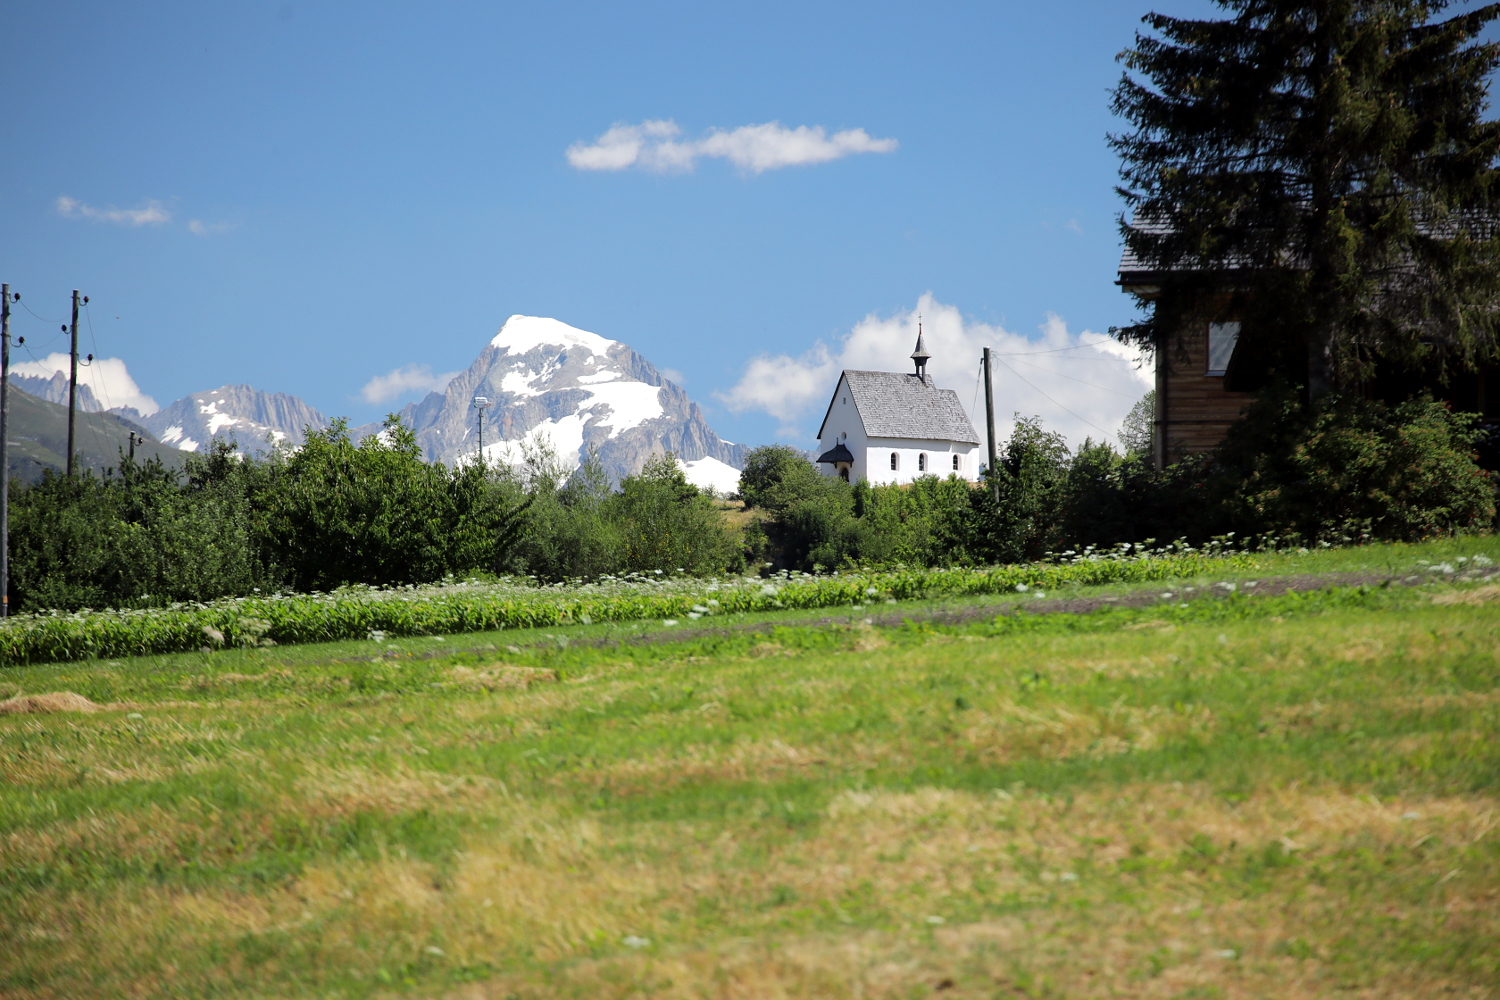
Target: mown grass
pixel 1290 796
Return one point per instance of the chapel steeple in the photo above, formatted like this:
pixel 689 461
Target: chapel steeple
pixel 920 355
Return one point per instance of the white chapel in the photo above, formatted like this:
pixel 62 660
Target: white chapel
pixel 894 427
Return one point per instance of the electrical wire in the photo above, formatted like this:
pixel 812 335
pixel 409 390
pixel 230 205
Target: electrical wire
pixel 1095 385
pixel 33 312
pixel 89 316
pixel 1054 402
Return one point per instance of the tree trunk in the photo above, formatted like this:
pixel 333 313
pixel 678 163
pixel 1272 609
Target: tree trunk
pixel 1319 362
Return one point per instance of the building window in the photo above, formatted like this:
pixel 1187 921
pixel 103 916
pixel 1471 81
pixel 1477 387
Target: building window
pixel 922 462
pixel 1221 340
pixel 895 461
pixel 955 463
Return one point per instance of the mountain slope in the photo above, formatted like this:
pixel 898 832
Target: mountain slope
pixel 253 418
pixel 577 390
pixel 38 433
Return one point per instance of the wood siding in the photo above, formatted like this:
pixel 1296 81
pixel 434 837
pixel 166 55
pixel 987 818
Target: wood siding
pixel 1193 410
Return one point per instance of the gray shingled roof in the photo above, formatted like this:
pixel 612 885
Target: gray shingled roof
pixel 901 405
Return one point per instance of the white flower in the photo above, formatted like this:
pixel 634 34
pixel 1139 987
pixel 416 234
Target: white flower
pixel 871 591
pixel 631 941
pixel 694 615
pixel 433 949
pixel 377 636
pixel 1021 588
pixel 934 921
pixel 669 621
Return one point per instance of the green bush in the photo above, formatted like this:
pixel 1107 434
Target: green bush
pixel 338 513
pixel 139 538
pixel 1349 466
pixel 667 524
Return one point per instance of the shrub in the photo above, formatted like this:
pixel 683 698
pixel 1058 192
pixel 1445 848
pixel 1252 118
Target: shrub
pixel 1349 465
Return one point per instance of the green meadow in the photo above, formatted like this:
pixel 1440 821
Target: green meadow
pixel 1195 788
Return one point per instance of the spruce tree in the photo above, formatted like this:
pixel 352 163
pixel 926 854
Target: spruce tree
pixel 1324 171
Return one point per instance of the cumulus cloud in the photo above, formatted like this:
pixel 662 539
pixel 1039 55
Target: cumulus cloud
pixel 152 213
pixel 655 146
pixel 404 381
pixel 107 378
pixel 1081 384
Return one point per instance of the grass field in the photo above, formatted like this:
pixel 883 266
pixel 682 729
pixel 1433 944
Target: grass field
pixel 1214 795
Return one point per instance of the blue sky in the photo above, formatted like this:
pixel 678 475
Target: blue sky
pixel 305 196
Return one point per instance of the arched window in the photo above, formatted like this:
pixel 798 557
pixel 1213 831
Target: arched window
pixel 922 462
pixel 895 461
pixel 955 463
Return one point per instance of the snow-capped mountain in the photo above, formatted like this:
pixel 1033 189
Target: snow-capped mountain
pixel 253 418
pixel 546 379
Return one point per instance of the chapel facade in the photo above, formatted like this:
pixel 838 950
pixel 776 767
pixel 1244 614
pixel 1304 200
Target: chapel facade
pixel 895 427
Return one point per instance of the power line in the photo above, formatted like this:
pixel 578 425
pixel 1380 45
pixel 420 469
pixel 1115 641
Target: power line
pixel 1070 378
pixel 1054 402
pixel 103 388
pixel 33 312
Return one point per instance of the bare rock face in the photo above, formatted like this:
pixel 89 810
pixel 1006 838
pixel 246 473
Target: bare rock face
pixel 547 381
pixel 55 390
pixel 255 420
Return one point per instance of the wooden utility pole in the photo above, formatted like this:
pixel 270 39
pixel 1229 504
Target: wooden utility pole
pixel 4 451
pixel 989 425
pixel 73 381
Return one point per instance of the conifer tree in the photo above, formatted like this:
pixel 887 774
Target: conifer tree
pixel 1323 170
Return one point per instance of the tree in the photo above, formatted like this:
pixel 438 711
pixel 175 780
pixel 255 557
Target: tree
pixel 1135 429
pixel 1322 169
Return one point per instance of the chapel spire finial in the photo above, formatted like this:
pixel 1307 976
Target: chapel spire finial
pixel 920 355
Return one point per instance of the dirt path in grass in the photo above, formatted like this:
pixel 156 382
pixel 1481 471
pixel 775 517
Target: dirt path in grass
pixel 1141 597
pixel 883 616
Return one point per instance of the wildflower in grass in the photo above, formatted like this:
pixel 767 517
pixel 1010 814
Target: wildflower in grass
pixel 1021 588
pixel 669 621
pixel 376 635
pixel 631 941
pixel 694 615
pixel 934 921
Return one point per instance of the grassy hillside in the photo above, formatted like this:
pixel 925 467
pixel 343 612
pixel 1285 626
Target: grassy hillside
pixel 1211 795
pixel 38 435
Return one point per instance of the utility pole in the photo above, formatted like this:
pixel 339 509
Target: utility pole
pixel 481 403
pixel 73 382
pixel 989 425
pixel 5 450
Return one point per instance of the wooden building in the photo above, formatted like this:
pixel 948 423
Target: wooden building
pixel 1204 381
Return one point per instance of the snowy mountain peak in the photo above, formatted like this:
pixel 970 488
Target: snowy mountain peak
pixel 524 334
pixel 575 390
pixel 253 418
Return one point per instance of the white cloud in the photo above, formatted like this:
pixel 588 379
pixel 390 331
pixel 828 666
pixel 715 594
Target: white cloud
pixel 107 378
pixel 1081 384
pixel 153 213
pixel 200 228
pixel 673 375
pixel 404 381
pixel 653 145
